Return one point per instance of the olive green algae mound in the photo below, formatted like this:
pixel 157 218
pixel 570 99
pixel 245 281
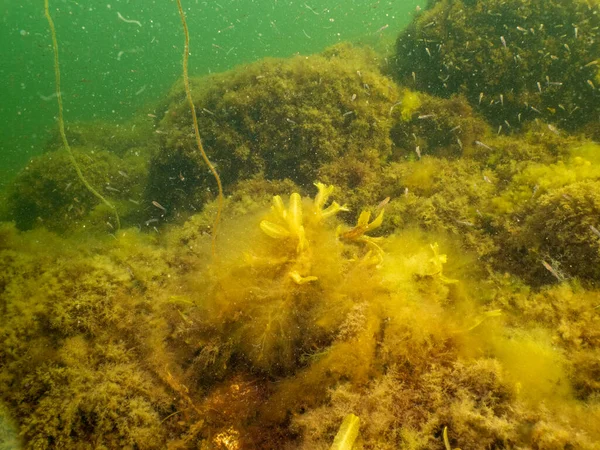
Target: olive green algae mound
pixel 275 118
pixel 514 60
pixel 47 192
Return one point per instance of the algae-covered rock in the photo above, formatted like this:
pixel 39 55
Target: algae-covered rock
pixel 546 213
pixel 278 118
pixel 428 125
pixel 514 60
pixel 48 192
pixel 561 230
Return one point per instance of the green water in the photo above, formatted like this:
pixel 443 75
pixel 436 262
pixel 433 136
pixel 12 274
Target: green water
pixel 111 68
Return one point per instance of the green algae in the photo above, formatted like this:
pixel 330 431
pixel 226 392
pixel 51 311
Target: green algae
pixel 515 61
pixel 276 118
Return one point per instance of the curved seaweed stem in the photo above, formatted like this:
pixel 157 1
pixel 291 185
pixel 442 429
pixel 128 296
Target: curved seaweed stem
pixel 188 92
pixel 61 121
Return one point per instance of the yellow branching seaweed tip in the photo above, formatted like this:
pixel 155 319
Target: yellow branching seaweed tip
pixel 437 263
pixel 320 200
pixel 288 224
pixel 446 440
pixel 291 219
pixel 363 226
pixel 347 434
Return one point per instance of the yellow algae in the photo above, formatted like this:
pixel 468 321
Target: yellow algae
pixel 439 323
pixel 347 434
pixel 411 102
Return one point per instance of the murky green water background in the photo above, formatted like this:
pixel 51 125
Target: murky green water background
pixel 111 68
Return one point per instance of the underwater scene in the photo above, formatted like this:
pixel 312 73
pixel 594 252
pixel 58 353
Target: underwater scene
pixel 278 224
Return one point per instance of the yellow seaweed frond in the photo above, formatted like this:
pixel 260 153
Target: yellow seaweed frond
pixel 299 279
pixel 446 440
pixel 274 230
pixel 347 434
pixel 321 199
pixel 437 262
pixel 363 226
pixel 290 219
pixel 482 317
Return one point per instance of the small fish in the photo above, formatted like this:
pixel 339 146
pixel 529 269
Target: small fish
pixel 418 151
pixel 595 230
pixel 465 223
pixel 481 144
pixel 159 206
pixel 480 97
pixel 382 28
pixel 382 204
pixel 503 41
pixel 551 269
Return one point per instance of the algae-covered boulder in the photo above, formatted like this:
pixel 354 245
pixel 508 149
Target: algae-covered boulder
pixel 429 125
pixel 48 191
pixel 562 232
pixel 546 216
pixel 514 60
pixel 278 118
